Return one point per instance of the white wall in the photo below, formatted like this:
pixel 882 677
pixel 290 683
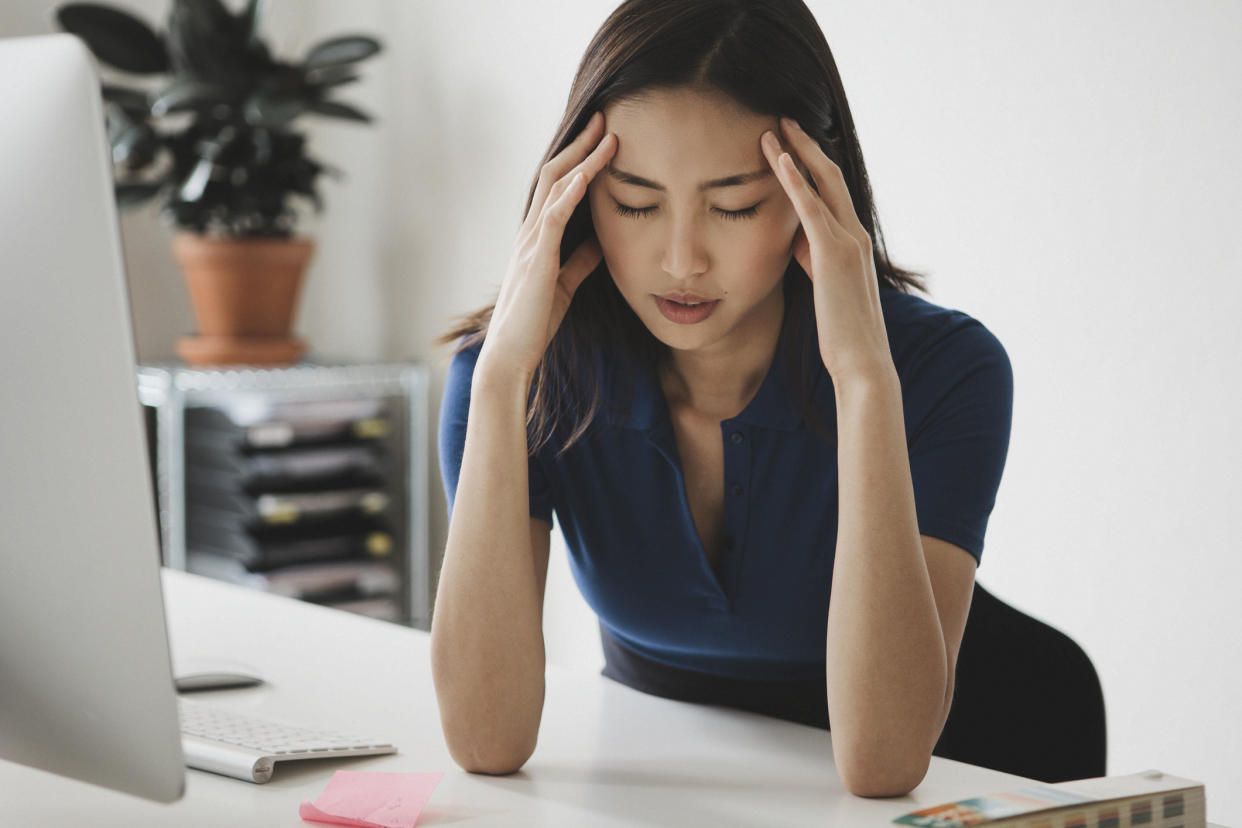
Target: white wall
pixel 1067 173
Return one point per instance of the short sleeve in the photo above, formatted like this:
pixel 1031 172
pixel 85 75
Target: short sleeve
pixel 451 436
pixel 962 410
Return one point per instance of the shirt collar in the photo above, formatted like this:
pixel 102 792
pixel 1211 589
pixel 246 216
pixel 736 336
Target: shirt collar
pixel 771 407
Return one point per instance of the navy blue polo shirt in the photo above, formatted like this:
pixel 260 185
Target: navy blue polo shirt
pixel 634 551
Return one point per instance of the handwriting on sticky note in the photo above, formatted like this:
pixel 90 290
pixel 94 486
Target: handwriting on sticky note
pixel 372 800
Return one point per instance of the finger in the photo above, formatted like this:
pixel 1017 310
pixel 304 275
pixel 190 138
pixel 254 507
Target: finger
pixel 828 176
pixel 590 166
pixel 817 220
pixel 566 160
pixel 555 216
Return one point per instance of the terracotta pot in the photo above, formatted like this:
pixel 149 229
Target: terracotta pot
pixel 244 294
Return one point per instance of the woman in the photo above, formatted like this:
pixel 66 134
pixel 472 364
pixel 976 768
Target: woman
pixel 703 359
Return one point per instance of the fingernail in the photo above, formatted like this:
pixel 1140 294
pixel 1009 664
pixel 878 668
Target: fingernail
pixel 790 123
pixel 769 141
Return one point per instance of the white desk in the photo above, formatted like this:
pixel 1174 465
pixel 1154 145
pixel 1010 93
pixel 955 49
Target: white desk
pixel 607 755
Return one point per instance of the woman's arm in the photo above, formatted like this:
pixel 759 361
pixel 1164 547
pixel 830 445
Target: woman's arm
pixel 899 601
pixel 487 655
pixel 898 604
pixel 487 648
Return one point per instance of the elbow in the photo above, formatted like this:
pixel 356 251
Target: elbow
pixel 492 759
pixel 485 734
pixel 882 774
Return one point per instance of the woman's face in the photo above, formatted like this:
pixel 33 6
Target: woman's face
pixel 729 243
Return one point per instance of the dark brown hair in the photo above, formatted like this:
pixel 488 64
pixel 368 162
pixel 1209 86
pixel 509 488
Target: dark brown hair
pixel 772 58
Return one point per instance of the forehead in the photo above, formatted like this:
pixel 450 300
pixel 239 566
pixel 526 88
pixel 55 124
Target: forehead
pixel 685 135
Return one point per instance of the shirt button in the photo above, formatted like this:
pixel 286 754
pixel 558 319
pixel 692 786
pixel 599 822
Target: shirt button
pixel 736 437
pixel 728 544
pixel 737 489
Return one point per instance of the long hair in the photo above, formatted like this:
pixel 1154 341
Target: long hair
pixel 772 58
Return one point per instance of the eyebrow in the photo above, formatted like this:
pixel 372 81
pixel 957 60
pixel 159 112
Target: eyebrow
pixel 727 181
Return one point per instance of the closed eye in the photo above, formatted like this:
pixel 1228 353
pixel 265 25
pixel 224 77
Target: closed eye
pixel 731 215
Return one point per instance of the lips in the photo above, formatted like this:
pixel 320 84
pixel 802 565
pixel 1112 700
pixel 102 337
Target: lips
pixel 686 298
pixel 685 314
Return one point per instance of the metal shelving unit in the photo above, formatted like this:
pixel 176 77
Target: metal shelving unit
pixel 169 390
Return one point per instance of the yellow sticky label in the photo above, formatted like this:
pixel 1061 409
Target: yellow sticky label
pixel 371 428
pixel 281 513
pixel 379 544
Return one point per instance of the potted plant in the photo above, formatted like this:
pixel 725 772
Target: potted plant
pixel 213 139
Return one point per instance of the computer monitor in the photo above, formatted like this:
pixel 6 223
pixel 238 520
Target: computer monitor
pixel 86 686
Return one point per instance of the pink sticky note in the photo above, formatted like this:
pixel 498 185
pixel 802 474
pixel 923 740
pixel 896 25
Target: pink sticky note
pixel 372 800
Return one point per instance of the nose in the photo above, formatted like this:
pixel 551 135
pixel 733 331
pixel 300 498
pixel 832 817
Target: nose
pixel 684 253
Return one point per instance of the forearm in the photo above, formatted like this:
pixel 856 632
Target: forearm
pixel 887 669
pixel 487 649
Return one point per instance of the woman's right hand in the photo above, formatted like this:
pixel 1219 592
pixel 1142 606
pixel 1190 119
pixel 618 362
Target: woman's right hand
pixel 536 290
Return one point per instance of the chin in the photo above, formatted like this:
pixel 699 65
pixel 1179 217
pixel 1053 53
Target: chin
pixel 681 337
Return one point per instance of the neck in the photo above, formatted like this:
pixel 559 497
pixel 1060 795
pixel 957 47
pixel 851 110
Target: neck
pixel 719 380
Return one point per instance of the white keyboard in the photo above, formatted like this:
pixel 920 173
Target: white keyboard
pixel 246 747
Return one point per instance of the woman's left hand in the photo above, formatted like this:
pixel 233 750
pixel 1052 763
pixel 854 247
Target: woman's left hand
pixel 834 249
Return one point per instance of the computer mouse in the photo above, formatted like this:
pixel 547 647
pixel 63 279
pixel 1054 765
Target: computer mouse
pixel 217 680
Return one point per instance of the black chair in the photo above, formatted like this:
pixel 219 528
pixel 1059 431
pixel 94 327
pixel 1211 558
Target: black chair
pixel 1027 699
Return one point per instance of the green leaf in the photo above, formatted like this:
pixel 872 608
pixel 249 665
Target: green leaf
pixel 188 94
pixel 131 101
pixel 207 15
pixel 117 121
pixel 194 187
pixel 249 19
pixel 326 76
pixel 339 110
pixel 338 50
pixel 207 42
pixel 115 37
pixel 273 111
pixel 135 147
